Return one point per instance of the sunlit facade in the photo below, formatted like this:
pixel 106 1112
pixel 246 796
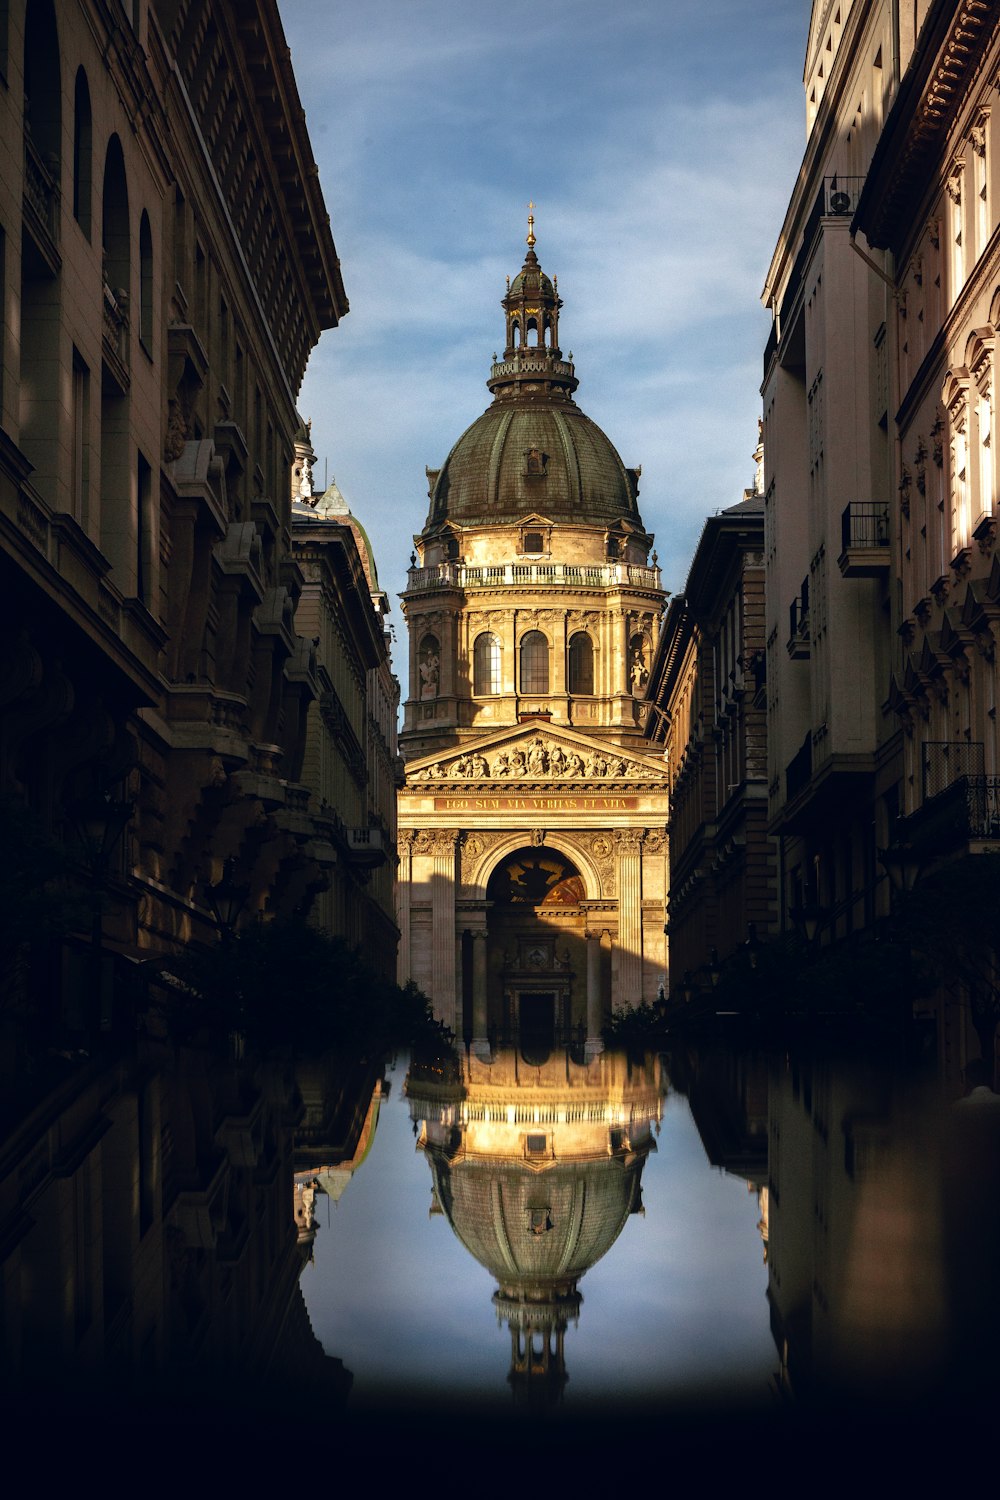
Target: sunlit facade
pixel 532 822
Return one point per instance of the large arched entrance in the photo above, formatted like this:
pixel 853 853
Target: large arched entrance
pixel 536 958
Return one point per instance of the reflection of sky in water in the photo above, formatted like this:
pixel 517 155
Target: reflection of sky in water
pixel 678 1303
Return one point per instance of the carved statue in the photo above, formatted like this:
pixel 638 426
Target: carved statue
pixel 537 759
pixel 430 673
pixel 501 764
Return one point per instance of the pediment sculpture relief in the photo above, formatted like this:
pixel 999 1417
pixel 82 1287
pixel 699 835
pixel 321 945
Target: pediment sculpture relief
pixel 538 761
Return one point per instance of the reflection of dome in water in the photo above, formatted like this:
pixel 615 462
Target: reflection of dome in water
pixel 537 1170
pixel 537 1226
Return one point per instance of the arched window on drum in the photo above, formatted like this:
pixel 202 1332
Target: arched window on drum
pixel 581 664
pixel 486 665
pixel 534 663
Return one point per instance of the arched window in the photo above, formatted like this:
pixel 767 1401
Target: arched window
pixel 429 666
pixel 581 663
pixel 42 113
pixel 146 284
pixel 534 663
pixel 82 153
pixel 486 661
pixel 114 225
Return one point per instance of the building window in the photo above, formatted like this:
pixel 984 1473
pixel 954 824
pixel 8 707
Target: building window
pixel 146 284
pixel 81 439
pixel 144 530
pixel 486 663
pixel 534 541
pixel 534 663
pixel 82 154
pixel 115 229
pixel 581 664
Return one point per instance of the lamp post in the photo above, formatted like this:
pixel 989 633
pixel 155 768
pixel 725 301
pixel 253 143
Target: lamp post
pixel 903 865
pixel 227 898
pixel 809 919
pixel 99 821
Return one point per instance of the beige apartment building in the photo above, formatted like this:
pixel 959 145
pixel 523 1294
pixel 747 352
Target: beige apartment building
pixel 880 487
pixel 834 752
pixel 532 874
pixel 929 213
pixel 706 713
pixel 169 264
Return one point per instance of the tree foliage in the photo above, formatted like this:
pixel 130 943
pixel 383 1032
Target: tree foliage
pixel 288 984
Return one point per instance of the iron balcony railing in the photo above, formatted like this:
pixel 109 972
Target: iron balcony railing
pixel 946 761
pixel 116 327
pixel 864 524
pixel 798 772
pixel 40 186
pixel 451 575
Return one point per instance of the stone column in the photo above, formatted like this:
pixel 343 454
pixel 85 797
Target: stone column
pixel 595 1009
pixel 480 1041
pixel 629 987
pixel 443 929
pixel 449 653
pixel 404 847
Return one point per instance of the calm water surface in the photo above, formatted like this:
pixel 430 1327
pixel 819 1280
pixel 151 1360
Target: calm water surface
pixel 668 1247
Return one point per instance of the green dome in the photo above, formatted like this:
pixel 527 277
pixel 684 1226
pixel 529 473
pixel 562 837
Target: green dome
pixel 575 475
pixel 489 1207
pixel 529 280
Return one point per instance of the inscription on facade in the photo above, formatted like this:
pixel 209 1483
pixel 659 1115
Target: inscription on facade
pixel 501 803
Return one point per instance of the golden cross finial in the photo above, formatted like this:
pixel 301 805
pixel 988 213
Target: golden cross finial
pixel 531 225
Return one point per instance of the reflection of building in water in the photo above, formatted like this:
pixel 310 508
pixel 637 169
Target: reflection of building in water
pixel 146 1238
pixel 858 1268
pixel 532 823
pixel 537 1169
pixel 727 1092
pixel 335 1135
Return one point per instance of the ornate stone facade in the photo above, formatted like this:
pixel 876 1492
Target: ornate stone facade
pixel 532 823
pixel 169 265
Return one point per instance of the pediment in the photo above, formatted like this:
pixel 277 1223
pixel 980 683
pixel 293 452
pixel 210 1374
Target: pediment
pixel 530 754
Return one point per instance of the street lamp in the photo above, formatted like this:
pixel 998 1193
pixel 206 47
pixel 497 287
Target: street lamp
pixel 99 821
pixel 903 865
pixel 809 918
pixel 227 898
pixel 752 944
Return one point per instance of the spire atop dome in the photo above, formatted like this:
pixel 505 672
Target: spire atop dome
pixel 532 363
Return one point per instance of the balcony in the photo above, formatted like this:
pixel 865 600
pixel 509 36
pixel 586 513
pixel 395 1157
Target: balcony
pixel 366 847
pixel 115 341
pixel 798 772
pixel 798 625
pixel 864 539
pixel 965 813
pixel 41 205
pixel 453 575
pixel 961 804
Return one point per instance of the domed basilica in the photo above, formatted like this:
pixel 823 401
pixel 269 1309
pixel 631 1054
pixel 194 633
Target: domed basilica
pixel 532 826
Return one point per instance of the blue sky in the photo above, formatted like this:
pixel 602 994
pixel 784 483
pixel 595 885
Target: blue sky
pixel 659 141
pixel 677 1306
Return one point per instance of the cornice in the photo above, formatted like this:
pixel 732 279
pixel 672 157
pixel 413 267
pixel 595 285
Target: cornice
pixel 949 55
